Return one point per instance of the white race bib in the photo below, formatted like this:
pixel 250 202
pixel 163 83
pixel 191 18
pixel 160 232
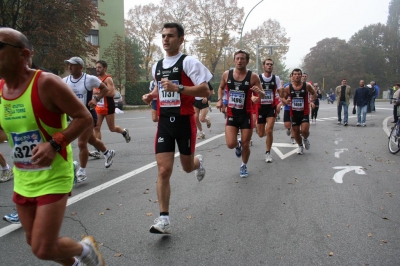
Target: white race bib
pixel 236 99
pixel 268 99
pixel 168 98
pixel 21 153
pixel 298 104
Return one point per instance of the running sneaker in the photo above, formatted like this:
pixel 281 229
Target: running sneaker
pixel 345 124
pixel 200 172
pixel 339 122
pixel 109 158
pixel 210 108
pixel 300 150
pixel 6 175
pixel 208 121
pixel 268 157
pixel 288 131
pixel 293 141
pixel 95 154
pixel 364 125
pixel 80 175
pixel 306 143
pixel 201 135
pixel 75 164
pixel 238 149
pixel 126 135
pixel 12 218
pixel 358 124
pixel 94 258
pixel 243 171
pixel 161 226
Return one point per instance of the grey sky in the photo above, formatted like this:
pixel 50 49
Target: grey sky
pixel 309 21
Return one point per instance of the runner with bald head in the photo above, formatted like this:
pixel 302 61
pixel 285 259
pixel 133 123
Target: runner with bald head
pixel 33 109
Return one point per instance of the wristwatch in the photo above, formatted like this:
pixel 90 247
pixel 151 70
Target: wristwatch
pixel 97 98
pixel 180 88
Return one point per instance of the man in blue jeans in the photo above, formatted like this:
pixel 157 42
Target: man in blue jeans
pixel 343 94
pixel 361 100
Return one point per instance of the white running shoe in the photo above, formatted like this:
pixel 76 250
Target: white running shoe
pixel 95 154
pixel 161 226
pixel 288 131
pixel 126 135
pixel 293 140
pixel 208 121
pixel 109 158
pixel 200 172
pixel 94 258
pixel 201 136
pixel 81 176
pixel 6 175
pixel 306 143
pixel 300 150
pixel 268 157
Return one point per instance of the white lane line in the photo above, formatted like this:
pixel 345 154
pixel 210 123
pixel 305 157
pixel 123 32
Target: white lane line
pixel 385 127
pixel 10 228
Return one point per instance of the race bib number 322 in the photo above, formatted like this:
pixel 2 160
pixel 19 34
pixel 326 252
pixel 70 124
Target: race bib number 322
pixel 24 143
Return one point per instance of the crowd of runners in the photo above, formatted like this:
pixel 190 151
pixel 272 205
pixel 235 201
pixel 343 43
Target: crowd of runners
pixel 179 95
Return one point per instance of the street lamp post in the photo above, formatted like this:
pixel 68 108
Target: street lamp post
pixel 241 31
pixel 226 48
pixel 271 52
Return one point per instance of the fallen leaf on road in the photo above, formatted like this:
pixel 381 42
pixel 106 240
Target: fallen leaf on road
pixel 149 213
pixel 369 235
pixel 73 213
pixel 347 225
pixel 102 213
pixel 120 205
pixel 384 241
pixel 220 213
pixel 101 244
pixel 326 152
pixel 189 217
pixel 328 235
pixel 118 255
pixel 108 209
pixel 331 254
pixel 385 218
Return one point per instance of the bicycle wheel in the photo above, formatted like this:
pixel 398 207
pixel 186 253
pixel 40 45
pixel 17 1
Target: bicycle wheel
pixel 393 143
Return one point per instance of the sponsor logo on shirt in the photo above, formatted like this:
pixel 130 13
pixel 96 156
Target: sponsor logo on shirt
pixel 175 69
pixel 160 140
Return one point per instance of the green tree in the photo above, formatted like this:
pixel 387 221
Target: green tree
pixel 392 41
pixel 120 60
pixel 137 62
pixel 144 24
pixel 333 59
pixel 55 28
pixel 370 40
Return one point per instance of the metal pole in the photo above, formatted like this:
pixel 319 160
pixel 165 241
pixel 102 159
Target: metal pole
pixel 257 58
pixel 241 31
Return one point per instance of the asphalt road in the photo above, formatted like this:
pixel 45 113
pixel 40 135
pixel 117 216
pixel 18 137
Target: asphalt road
pixel 337 204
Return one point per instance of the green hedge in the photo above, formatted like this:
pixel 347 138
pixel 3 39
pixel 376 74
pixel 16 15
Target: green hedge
pixel 134 93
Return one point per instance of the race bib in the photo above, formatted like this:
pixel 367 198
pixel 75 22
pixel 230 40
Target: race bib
pixel 101 103
pixel 268 99
pixel 236 99
pixel 168 98
pixel 80 96
pixel 298 104
pixel 21 153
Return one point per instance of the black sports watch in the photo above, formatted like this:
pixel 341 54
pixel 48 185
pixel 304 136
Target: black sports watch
pixel 97 98
pixel 180 88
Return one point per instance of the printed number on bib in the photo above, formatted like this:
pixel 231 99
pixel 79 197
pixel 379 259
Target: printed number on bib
pixel 297 104
pixel 101 103
pixel 236 99
pixel 21 153
pixel 268 99
pixel 168 98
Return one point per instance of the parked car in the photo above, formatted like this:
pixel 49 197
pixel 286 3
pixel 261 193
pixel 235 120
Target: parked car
pixel 118 100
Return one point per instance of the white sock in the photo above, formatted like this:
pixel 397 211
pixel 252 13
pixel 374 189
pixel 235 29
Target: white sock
pixel 77 263
pixel 165 217
pixel 85 252
pixel 242 164
pixel 81 169
pixel 6 167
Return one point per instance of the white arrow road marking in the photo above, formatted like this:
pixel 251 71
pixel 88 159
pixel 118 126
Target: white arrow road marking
pixel 337 140
pixel 284 145
pixel 338 177
pixel 339 151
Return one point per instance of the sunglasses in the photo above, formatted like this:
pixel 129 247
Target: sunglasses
pixel 2 44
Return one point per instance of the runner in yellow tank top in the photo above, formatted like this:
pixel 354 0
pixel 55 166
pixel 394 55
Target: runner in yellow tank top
pixel 32 114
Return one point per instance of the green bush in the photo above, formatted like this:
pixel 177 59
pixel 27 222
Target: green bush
pixel 134 92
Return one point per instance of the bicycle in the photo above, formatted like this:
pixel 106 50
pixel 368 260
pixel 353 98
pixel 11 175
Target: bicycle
pixel 394 136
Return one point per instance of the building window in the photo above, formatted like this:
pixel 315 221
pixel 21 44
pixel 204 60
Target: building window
pixel 95 3
pixel 93 37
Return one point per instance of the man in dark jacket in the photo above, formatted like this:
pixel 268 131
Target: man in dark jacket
pixel 361 100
